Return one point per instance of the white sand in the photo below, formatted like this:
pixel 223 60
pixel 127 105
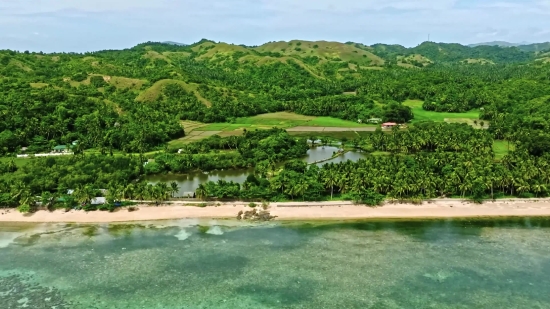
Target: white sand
pixel 443 208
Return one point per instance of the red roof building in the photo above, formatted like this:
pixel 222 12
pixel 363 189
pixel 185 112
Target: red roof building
pixel 389 124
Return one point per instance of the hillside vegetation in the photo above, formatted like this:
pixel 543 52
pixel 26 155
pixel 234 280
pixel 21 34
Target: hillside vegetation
pixel 136 99
pixel 476 121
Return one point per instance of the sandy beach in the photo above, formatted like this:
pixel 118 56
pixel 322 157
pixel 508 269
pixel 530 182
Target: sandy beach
pixel 337 210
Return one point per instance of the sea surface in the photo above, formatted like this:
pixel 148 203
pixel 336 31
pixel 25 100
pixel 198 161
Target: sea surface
pixel 502 263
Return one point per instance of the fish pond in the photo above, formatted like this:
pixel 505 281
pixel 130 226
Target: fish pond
pixel 190 182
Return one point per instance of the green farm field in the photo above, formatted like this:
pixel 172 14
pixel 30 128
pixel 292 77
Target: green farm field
pixel 501 148
pixel 20 162
pixel 423 115
pixel 280 120
pixel 350 135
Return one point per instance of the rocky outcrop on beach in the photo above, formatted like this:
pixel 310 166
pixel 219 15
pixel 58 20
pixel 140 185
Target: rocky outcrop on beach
pixel 254 215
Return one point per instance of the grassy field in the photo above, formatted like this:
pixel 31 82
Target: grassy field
pixel 196 131
pixel 39 85
pixel 18 161
pixel 350 135
pixel 501 149
pixel 280 120
pixel 126 83
pixel 422 115
pixel 152 93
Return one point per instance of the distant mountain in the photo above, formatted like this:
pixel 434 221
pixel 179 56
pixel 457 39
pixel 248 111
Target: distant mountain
pixel 174 43
pixel 432 52
pixel 499 43
pixel 536 47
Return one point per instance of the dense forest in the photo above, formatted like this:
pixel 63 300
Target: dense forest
pixel 429 160
pixel 122 104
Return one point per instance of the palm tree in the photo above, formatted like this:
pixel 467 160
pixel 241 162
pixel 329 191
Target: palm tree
pixel 114 194
pixel 84 194
pixel 201 192
pixel 301 188
pixel 140 192
pixel 48 199
pixel 174 188
pixel 128 191
pixel 329 178
pixel 162 191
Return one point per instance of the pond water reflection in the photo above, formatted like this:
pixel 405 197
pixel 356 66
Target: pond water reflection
pixel 190 182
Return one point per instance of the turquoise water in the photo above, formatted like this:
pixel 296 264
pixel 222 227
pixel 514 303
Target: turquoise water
pixel 226 264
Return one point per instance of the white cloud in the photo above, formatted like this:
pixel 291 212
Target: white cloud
pixel 353 5
pixel 86 25
pixel 44 6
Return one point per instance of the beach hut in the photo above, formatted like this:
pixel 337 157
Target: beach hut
pixel 387 125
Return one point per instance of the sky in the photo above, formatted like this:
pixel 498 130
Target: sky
pixel 86 25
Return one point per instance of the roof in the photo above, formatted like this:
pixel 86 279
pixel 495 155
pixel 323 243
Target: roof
pixel 98 201
pixel 60 147
pixel 389 124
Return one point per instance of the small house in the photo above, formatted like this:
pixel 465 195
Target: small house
pixel 387 125
pixel 60 148
pixel 98 201
pixel 374 120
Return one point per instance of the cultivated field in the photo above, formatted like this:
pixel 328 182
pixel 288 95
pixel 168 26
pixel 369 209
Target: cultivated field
pixel 283 120
pixel 422 115
pixel 331 129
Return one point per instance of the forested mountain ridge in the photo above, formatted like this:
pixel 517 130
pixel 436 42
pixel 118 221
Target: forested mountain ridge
pixel 134 99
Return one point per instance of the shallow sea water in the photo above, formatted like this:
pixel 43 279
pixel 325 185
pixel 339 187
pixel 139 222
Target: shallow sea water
pixel 502 263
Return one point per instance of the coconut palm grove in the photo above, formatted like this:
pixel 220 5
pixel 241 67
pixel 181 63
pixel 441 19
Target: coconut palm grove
pixel 470 122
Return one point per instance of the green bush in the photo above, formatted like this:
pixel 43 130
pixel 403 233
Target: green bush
pixel 25 208
pixel 97 81
pixel 78 77
pixel 89 207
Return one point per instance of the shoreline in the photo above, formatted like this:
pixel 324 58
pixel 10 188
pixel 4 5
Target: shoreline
pixel 296 211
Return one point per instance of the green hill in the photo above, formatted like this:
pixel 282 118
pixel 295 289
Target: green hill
pixel 149 89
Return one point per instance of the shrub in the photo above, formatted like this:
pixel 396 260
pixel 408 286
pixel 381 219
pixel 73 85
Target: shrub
pixel 78 77
pixel 369 197
pixel 89 207
pixel 97 81
pixel 25 208
pixel 252 205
